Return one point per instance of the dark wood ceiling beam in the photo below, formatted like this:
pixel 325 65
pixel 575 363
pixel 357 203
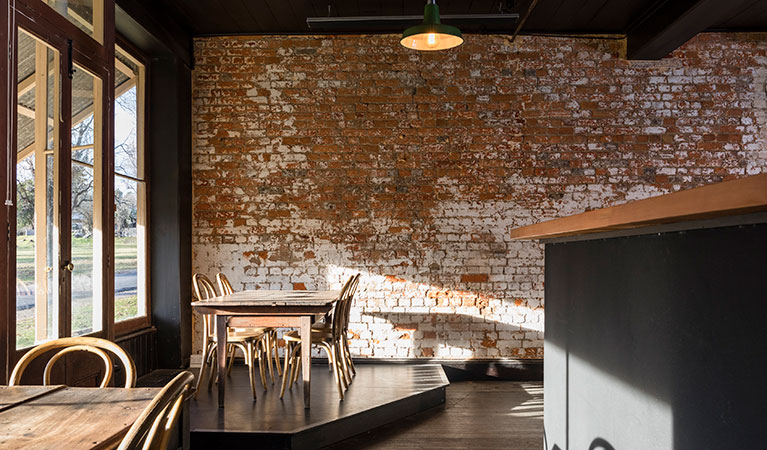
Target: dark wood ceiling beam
pixel 163 27
pixel 674 22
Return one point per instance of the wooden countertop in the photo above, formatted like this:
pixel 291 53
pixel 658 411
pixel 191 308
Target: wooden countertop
pixel 745 195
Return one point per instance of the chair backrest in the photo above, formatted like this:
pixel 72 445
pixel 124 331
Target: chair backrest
pixel 342 305
pixel 203 287
pixel 77 344
pixel 152 429
pixel 204 290
pixel 348 303
pixel 224 286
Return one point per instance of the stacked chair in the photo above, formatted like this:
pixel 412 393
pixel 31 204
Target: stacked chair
pixel 251 341
pixel 332 336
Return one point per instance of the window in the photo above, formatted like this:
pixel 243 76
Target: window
pixel 58 269
pixel 86 240
pixel 72 179
pixel 37 93
pixel 85 14
pixel 130 206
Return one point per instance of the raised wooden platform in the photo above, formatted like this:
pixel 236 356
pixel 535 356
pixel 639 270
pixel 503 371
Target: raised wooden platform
pixel 378 395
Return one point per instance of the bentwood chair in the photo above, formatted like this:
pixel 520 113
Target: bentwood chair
pixel 69 345
pixel 251 343
pixel 152 429
pixel 328 339
pixel 345 351
pixel 349 290
pixel 270 334
pixel 325 326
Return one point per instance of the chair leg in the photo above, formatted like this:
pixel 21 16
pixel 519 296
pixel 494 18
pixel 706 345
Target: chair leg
pixel 251 375
pixel 348 354
pixel 296 363
pixel 338 369
pixel 232 350
pixel 212 367
pixel 286 371
pixel 275 351
pixel 342 363
pixel 261 368
pixel 267 353
pixel 330 349
pixel 203 365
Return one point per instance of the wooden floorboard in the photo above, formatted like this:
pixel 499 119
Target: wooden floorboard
pixel 477 415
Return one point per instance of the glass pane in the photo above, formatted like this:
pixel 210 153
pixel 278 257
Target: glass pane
pixel 130 191
pixel 36 193
pixel 126 118
pixel 86 241
pixel 85 14
pixel 130 262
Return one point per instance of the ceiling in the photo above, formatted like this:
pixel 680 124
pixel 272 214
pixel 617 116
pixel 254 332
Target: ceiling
pixel 655 26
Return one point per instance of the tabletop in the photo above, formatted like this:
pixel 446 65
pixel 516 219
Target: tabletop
pixel 45 417
pixel 11 396
pixel 263 297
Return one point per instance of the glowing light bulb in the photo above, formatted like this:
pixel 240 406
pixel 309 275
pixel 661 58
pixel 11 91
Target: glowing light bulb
pixel 431 40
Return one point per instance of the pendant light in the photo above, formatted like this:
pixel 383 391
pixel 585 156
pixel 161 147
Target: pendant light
pixel 431 35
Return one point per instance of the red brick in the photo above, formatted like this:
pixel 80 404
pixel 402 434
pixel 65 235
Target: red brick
pixel 474 278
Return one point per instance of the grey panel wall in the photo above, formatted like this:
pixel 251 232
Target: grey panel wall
pixel 657 341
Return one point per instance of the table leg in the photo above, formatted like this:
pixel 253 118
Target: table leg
pixel 221 322
pixel 306 356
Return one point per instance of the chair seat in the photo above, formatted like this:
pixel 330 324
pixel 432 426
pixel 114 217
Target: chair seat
pixel 317 336
pixel 252 330
pixel 234 336
pixel 321 326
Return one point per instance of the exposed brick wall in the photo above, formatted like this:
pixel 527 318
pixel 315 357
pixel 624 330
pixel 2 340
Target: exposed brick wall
pixel 319 157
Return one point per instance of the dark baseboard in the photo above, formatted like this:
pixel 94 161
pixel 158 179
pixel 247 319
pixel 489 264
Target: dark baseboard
pixel 501 369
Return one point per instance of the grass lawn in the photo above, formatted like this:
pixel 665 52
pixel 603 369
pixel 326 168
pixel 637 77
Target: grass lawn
pixel 82 256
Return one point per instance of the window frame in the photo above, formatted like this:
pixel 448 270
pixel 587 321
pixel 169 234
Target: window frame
pixel 37 18
pixel 129 326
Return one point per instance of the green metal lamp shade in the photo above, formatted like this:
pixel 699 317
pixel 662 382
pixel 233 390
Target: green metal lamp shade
pixel 431 35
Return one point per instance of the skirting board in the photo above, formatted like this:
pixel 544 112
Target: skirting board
pixel 502 369
pixel 505 369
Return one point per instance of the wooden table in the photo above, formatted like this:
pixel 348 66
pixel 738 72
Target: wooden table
pixel 268 308
pixel 45 417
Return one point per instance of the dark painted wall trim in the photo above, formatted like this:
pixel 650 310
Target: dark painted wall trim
pixel 170 209
pixel 469 369
pixel 157 32
pixel 169 51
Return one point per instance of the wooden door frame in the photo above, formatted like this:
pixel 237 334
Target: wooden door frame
pixel 5 299
pixel 55 30
pixel 59 44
